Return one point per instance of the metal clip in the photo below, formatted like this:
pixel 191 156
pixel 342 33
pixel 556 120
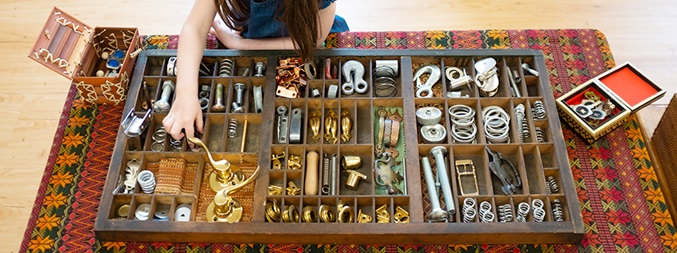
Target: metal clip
pixel 466 168
pixel 294 162
pixel 133 126
pixel 382 214
pixel 401 215
pixel 505 171
pixel 274 190
pixel 295 126
pixel 426 90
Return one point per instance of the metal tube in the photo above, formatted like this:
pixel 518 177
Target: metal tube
pixel 438 152
pixel 437 214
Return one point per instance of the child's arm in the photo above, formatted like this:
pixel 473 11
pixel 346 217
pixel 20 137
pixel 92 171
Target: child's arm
pixel 233 40
pixel 186 113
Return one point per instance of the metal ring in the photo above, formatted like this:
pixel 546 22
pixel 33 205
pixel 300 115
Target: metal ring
pixel 157 147
pixel 346 215
pixel 327 215
pixel 309 214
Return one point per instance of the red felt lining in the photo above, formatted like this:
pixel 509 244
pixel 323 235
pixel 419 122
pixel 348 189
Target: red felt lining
pixel 630 85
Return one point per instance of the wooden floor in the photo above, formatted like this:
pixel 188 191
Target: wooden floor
pixel 31 97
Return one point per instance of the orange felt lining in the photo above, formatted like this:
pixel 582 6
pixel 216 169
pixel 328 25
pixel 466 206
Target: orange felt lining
pixel 577 98
pixel 630 85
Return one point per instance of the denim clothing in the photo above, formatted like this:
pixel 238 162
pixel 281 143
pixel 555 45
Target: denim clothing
pixel 264 24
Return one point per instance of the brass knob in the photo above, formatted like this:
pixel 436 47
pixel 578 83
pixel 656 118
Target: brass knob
pixel 225 208
pixel 224 174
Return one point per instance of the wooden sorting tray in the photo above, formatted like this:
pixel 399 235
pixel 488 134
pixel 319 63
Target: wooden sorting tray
pixel 535 161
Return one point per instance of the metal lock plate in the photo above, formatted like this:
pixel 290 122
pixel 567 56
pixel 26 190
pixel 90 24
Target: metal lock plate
pixel 282 121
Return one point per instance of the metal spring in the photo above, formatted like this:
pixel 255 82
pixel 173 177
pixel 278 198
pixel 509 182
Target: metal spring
pixel 522 123
pixel 485 213
pixel 468 209
pixel 469 215
pixel 557 210
pixel 232 128
pixel 538 110
pixel 551 185
pixel 540 135
pixel 226 68
pixel 537 209
pixel 505 213
pixel 522 211
pixel 539 214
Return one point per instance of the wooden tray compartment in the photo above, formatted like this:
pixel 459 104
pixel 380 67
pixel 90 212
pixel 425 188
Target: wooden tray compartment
pixel 535 161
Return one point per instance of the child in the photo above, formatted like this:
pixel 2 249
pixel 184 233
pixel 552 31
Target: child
pixel 243 24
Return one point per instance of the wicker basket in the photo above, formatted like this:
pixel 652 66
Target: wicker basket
pixel 664 142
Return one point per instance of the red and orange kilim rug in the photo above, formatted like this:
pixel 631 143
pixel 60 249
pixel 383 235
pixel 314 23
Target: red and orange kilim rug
pixel 622 205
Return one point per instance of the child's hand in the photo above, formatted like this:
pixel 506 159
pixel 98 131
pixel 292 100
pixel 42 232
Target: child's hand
pixel 183 118
pixel 228 37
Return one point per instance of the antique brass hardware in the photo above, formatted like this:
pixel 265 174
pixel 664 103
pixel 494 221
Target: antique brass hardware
pixel 274 190
pixel 293 189
pixel 346 126
pixel 354 178
pixel 466 169
pixel 331 127
pixel 272 211
pixel 363 217
pixel 327 214
pixel 345 213
pixel 315 124
pixel 309 214
pixel 382 214
pixel 401 215
pixel 277 164
pixel 226 208
pixel 350 162
pixel 294 162
pixel 224 174
pixel 290 214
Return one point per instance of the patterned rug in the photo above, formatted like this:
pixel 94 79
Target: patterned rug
pixel 622 204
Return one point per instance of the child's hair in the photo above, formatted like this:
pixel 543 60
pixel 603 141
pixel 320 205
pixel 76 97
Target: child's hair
pixel 300 16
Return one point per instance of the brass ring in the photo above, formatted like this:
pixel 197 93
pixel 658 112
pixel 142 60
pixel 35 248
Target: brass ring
pixel 346 215
pixel 309 214
pixel 290 214
pixel 272 212
pixel 327 214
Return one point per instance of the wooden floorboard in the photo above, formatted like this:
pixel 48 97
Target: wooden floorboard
pixel 31 97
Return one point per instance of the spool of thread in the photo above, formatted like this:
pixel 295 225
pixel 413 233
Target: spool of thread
pixel 312 164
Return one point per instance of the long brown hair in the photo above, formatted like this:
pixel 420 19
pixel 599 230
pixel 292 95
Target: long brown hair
pixel 301 18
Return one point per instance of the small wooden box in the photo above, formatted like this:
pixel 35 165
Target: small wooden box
pixel 74 50
pixel 622 91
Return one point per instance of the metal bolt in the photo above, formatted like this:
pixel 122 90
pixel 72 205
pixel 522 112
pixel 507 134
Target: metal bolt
pixel 436 214
pixel 162 105
pixel 438 152
pixel 236 108
pixel 218 106
pixel 240 89
pixel 260 68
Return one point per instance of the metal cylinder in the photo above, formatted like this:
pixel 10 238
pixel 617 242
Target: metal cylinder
pixel 218 105
pixel 240 89
pixel 438 152
pixel 437 214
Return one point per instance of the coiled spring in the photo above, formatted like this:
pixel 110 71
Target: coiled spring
pixel 540 134
pixel 557 210
pixel 537 209
pixel 551 185
pixel 232 128
pixel 538 111
pixel 146 181
pixel 226 68
pixel 468 209
pixel 523 209
pixel 485 213
pixel 522 123
pixel 505 213
pixel 463 128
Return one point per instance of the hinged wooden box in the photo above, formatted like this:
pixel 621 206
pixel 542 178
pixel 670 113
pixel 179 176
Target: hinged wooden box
pixel 77 51
pixel 601 104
